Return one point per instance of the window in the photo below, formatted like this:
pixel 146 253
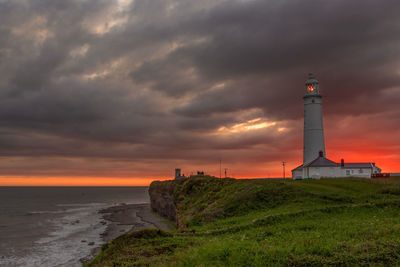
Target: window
pixel 352 171
pixel 360 171
pixel 347 172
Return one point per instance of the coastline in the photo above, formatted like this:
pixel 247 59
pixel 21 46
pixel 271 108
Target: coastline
pixel 125 218
pixel 229 222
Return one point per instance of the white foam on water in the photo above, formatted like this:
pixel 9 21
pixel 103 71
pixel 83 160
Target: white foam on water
pixel 80 205
pixel 64 246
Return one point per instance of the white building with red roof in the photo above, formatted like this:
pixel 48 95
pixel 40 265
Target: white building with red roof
pixel 323 167
pixel 315 164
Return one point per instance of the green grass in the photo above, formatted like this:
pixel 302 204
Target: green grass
pixel 227 222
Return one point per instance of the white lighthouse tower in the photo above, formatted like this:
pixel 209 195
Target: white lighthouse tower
pixel 315 164
pixel 313 129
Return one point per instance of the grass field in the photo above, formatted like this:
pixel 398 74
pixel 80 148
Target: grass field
pixel 227 222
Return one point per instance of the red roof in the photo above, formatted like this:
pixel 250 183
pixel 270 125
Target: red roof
pixel 321 162
pixel 358 165
pixel 298 168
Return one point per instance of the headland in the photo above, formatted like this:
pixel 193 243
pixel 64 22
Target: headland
pixel 229 222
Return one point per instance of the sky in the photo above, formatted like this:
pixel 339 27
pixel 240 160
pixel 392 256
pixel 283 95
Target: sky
pixel 123 92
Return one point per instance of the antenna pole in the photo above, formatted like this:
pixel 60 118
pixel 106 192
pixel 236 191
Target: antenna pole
pixel 220 168
pixel 283 165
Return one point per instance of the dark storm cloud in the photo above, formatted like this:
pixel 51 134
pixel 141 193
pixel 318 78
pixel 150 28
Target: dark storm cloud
pixel 354 51
pixel 159 79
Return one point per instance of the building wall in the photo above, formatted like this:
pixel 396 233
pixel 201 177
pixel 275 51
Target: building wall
pixel 318 172
pixel 376 169
pixel 297 174
pixel 357 172
pixel 332 172
pixel 313 129
pixel 177 173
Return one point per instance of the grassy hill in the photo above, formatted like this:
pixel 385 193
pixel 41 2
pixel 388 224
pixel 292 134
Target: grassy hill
pixel 228 222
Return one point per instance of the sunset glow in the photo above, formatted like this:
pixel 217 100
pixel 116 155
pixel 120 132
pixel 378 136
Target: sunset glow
pixel 75 181
pixel 123 92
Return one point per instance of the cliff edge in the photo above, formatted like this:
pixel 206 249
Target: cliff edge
pixel 228 222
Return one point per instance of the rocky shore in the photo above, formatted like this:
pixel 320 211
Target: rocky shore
pixel 125 218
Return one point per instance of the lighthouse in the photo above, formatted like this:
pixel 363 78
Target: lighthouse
pixel 315 164
pixel 313 143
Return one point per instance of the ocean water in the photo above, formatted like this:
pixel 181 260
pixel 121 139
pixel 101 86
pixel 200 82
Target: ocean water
pixel 52 226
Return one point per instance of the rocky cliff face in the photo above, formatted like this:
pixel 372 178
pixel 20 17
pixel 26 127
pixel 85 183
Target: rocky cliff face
pixel 162 199
pixel 189 200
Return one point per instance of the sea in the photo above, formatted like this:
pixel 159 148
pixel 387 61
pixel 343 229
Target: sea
pixel 53 226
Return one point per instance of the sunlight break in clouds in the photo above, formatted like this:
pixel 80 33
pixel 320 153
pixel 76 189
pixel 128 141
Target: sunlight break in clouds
pixel 254 124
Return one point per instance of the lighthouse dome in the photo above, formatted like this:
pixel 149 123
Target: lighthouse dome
pixel 311 79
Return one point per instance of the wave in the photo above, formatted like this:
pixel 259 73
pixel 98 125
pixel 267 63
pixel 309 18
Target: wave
pixel 77 231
